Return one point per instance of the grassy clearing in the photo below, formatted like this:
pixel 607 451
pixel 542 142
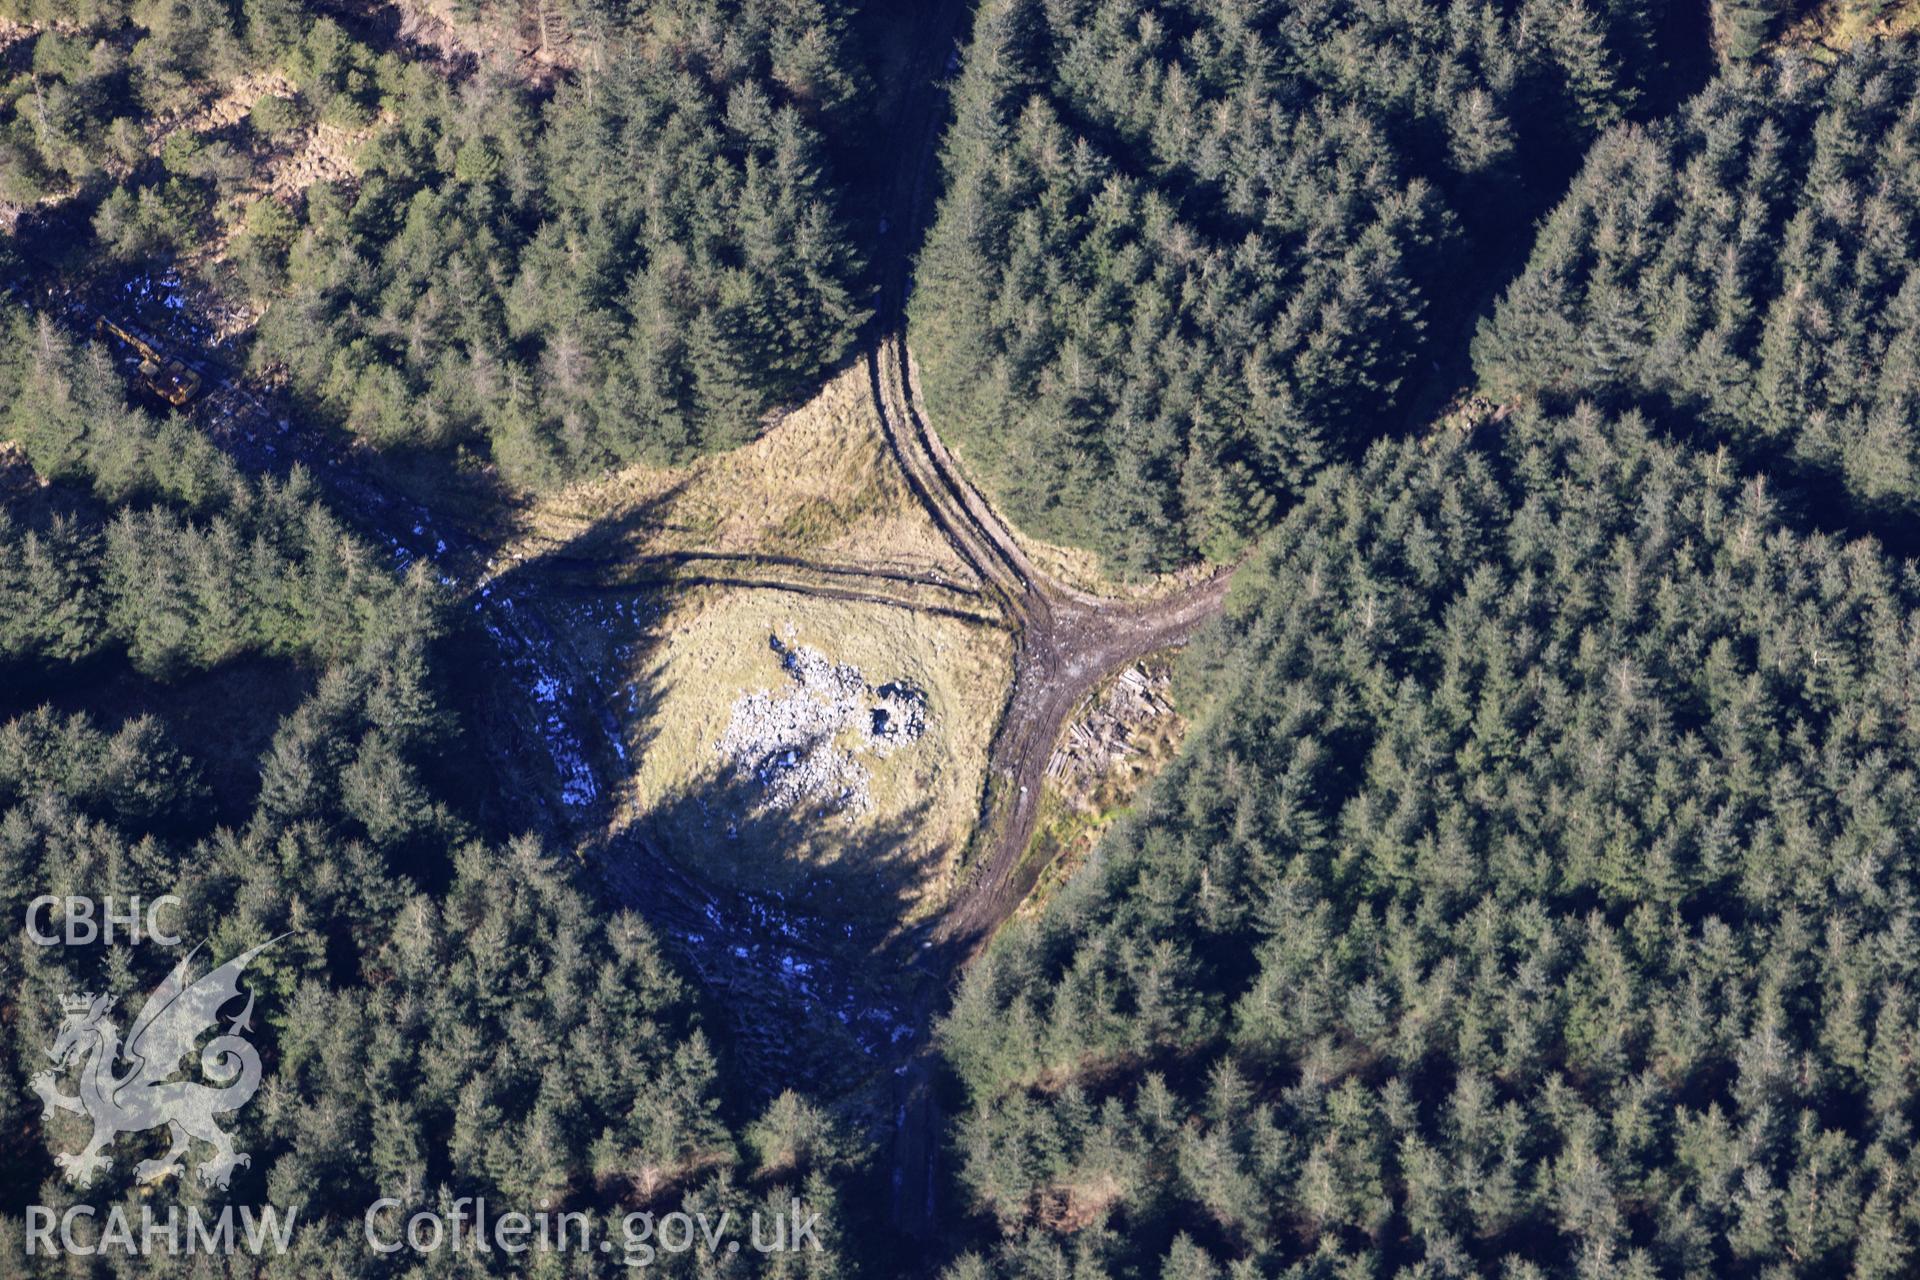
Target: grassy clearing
pixel 1081 570
pixel 819 485
pixel 711 646
pixel 658 597
pixel 817 504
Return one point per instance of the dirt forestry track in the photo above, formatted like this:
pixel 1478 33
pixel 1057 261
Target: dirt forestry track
pixel 1066 642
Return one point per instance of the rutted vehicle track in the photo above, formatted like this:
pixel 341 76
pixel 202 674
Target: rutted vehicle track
pixel 1066 643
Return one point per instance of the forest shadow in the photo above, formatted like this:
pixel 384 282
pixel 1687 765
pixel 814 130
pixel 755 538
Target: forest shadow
pixel 805 969
pixel 496 649
pixel 1500 222
pixel 859 871
pixel 810 984
pixel 581 562
pixel 222 720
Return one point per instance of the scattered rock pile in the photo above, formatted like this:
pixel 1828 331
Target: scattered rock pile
pixel 802 745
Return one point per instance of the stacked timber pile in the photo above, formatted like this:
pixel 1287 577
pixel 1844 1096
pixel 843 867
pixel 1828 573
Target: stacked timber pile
pixel 1102 735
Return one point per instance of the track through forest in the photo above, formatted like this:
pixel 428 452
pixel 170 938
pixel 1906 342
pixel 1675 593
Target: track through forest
pixel 1067 642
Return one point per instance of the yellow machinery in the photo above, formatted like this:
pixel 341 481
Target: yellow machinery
pixel 171 380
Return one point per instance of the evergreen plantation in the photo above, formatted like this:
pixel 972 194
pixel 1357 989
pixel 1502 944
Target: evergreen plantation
pixel 1748 271
pixel 639 270
pixel 637 267
pixel 1537 899
pixel 1188 251
pixel 445 1012
pixel 172 561
pixel 1534 895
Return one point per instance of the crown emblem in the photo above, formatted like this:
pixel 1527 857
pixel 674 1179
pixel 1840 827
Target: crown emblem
pixel 76 1004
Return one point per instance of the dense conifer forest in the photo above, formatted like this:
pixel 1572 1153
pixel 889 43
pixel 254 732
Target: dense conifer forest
pixel 446 1008
pixel 1534 901
pixel 1532 895
pixel 1747 272
pixel 637 264
pixel 1189 251
pixel 637 270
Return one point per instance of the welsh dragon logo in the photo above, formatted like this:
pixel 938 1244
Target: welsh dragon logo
pixel 180 1010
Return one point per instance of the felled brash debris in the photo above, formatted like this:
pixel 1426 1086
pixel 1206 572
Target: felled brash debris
pixel 1103 734
pixel 803 744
